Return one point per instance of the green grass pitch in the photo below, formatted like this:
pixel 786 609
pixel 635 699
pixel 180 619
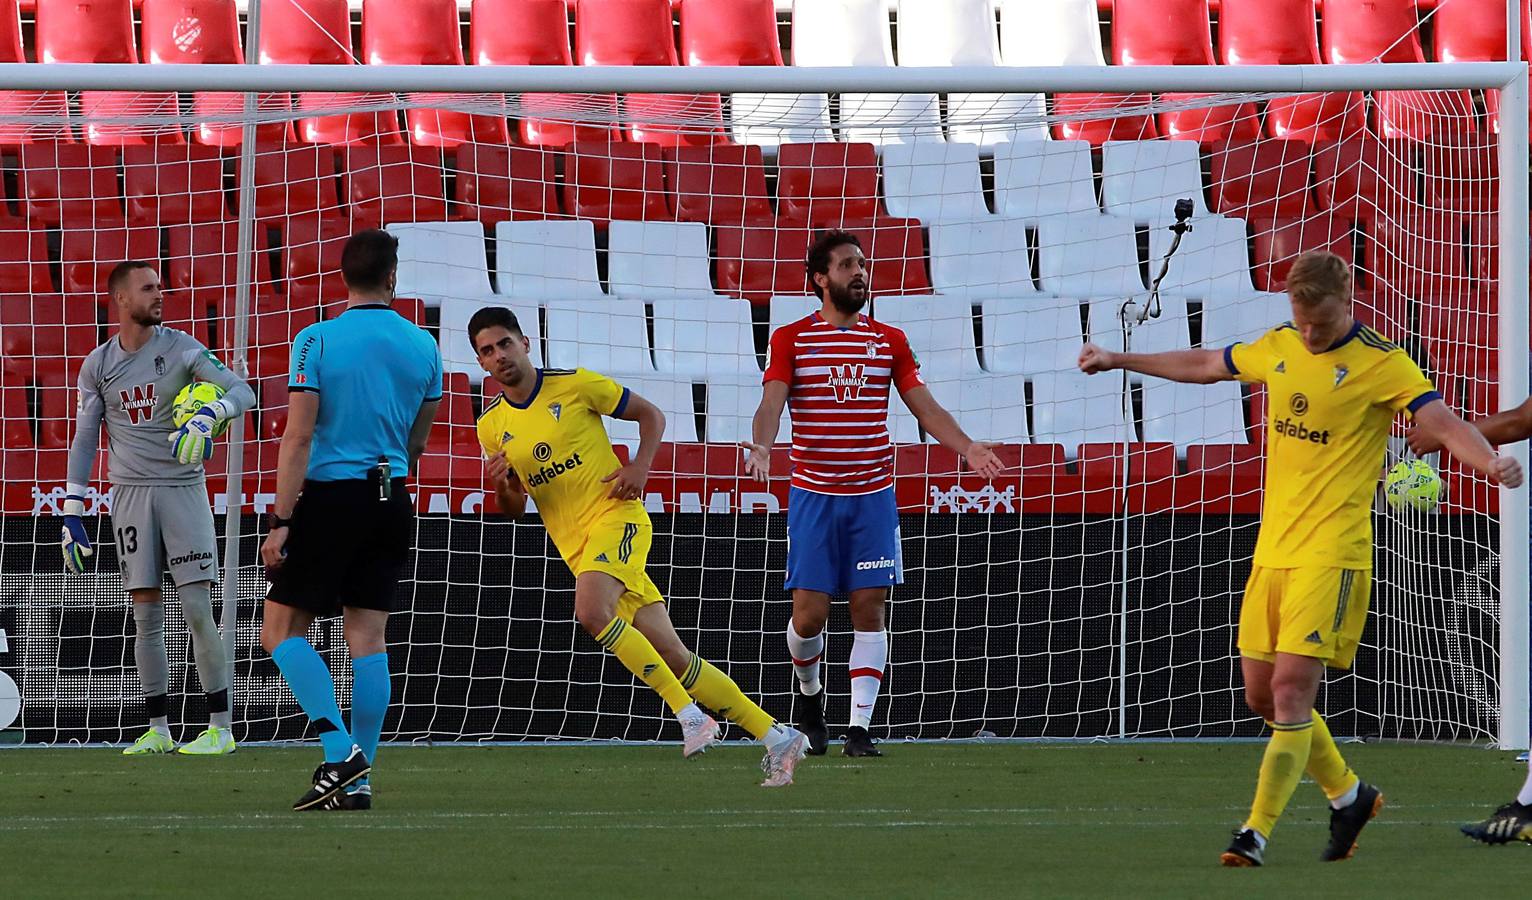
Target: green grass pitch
pixel 1040 820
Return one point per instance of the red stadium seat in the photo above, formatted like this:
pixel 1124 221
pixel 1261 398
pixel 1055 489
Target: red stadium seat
pixel 169 185
pixel 1420 253
pixel 70 184
pixel 1361 176
pixel 1473 30
pixel 318 32
pixel 719 185
pixel 1208 125
pixel 23 258
pixel 758 261
pixel 294 181
pixel 675 120
pixel 1282 32
pixel 101 31
pixel 896 255
pixel 624 33
pixel 1463 175
pixel 456 426
pixel 55 413
pixel 730 33
pixel 496 183
pixel 605 181
pixel 535 33
pixel 88 254
pixel 311 251
pixel 1260 179
pixel 270 338
pixel 1177 33
pixel 203 263
pixel 15 418
pixel 385 185
pixel 31 104
pixel 825 183
pixel 1120 126
pixel 1277 243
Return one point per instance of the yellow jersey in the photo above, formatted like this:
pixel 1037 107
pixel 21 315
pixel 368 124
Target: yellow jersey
pixel 1327 421
pixel 557 445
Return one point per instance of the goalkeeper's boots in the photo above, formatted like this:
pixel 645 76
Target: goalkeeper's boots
pixel 332 778
pixel 1346 823
pixel 150 742
pixel 1511 822
pixel 782 760
pixel 1244 851
pixel 811 720
pixel 698 732
pixel 859 743
pixel 213 742
pixel 353 799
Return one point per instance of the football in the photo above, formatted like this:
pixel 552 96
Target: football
pixel 1413 483
pixel 192 398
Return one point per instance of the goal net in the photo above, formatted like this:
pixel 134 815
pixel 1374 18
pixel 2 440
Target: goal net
pixel 1090 591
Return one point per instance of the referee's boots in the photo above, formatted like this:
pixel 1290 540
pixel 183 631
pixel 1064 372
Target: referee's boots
pixel 332 778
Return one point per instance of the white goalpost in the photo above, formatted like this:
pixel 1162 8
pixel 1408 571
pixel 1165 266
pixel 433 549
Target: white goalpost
pixel 651 223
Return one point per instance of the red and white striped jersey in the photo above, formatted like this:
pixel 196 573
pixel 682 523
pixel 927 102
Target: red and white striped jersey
pixel 839 381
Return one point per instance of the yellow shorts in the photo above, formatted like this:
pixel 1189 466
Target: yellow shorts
pixel 620 548
pixel 1309 611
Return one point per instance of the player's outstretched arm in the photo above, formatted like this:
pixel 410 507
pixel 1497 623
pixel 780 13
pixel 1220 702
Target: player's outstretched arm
pixel 939 423
pixel 1505 427
pixel 292 466
pixel 82 460
pixel 763 429
pixel 1465 442
pixel 628 482
pixel 1189 366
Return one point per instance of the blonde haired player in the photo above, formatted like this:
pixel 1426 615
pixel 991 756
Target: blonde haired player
pixel 1334 387
pixel 543 437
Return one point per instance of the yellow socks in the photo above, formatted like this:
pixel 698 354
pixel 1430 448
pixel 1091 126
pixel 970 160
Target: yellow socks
pixel 1287 753
pixel 634 650
pixel 1326 767
pixel 710 687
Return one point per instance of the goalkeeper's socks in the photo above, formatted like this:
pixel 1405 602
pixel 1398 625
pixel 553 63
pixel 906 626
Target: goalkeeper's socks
pixel 1287 754
pixel 869 655
pixel 635 652
pixel 369 702
pixel 153 662
pixel 1329 770
pixel 1525 797
pixel 718 692
pixel 807 654
pixel 314 689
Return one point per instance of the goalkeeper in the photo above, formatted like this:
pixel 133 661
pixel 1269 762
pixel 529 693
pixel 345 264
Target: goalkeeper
pixel 160 508
pixel 1334 387
pixel 543 436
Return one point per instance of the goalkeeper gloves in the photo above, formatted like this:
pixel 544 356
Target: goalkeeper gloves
pixel 75 543
pixel 193 441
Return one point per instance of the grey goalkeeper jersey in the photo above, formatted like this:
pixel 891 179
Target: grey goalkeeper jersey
pixel 133 394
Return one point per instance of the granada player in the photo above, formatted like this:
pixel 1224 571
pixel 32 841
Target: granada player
pixel 835 370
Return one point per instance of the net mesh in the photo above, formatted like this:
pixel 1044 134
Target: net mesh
pixel 1090 591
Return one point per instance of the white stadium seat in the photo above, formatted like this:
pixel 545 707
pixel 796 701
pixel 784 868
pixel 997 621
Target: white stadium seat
pixel 940 332
pixel 1228 321
pixel 1088 256
pixel 1029 337
pixel 1034 179
pixel 704 336
pixel 673 397
pixel 934 182
pixel 599 335
pixel 962 33
pixel 457 354
pixel 730 410
pixel 547 260
pixel 1171 330
pixel 441 259
pixel 988 407
pixel 658 259
pixel 786 308
pixel 1211 264
pixel 1193 413
pixel 1072 408
pixel 1142 180
pixel 855 33
pixel 981 260
pixel 1050 33
pixel 769 120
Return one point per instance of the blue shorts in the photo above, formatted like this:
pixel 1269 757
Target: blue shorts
pixel 838 544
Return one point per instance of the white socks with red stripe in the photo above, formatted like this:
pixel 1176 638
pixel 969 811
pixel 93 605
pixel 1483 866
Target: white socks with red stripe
pixel 807 654
pixel 869 654
pixel 1525 797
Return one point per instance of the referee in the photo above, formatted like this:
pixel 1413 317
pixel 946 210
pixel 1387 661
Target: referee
pixel 362 392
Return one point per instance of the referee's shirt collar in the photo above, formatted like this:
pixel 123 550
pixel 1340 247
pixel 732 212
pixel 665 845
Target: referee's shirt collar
pixel 536 386
pixel 366 306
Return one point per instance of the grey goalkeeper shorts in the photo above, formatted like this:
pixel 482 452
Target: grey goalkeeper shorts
pixel 164 526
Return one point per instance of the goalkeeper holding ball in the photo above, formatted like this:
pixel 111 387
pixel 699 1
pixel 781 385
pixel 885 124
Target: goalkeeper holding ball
pixel 160 511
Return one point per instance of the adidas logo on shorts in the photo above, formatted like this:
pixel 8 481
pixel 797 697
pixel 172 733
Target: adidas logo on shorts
pixel 1314 638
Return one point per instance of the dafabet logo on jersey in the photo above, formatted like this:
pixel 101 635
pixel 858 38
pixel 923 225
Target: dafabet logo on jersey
pixel 550 470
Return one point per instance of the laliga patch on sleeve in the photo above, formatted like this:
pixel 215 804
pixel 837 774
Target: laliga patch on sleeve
pixel 213 359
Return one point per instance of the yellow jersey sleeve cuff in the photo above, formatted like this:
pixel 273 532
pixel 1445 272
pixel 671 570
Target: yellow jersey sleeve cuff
pixel 1228 359
pixel 1422 400
pixel 622 403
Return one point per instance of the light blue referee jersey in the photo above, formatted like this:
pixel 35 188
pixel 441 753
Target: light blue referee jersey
pixel 372 369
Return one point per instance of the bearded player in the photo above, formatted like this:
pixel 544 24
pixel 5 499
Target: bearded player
pixel 543 437
pixel 159 493
pixel 836 371
pixel 1334 388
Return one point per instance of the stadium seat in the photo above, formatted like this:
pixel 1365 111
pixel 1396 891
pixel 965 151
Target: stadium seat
pixel 722 184
pixel 729 411
pixel 547 260
pixel 88 254
pixel 36 115
pixel 730 33
pixel 495 183
pixel 704 337
pixel 458 354
pixel 1229 320
pixel 1421 254
pixel 1088 256
pixel 101 31
pixel 992 405
pixel 390 184
pixel 896 255
pixel 1282 32
pixel 1278 242
pixel 605 181
pixel 1143 180
pixel 1473 31
pixel 1034 179
pixel 675 398
pixel 426 33
pixel 940 332
pixel 1361 176
pixel 1212 261
pixel 624 33
pixel 438 259
pixel 652 260
pixel 934 182
pixel 1030 336
pixel 202 262
pixel 173 185
pixel 674 120
pixel 72 184
pixel 270 339
pixel 605 335
pixel 1462 175
pixel 536 33
pixel 980 260
pixel 318 32
pixel 1188 414
pixel 759 262
pixel 787 308
pixel 295 181
pixel 1178 33
pixel 825 184
pixel 1262 179
pixel 15 418
pixel 312 246
pixel 23 259
pixel 1072 408
pixel 771 120
pixel 1170 330
pixel 962 33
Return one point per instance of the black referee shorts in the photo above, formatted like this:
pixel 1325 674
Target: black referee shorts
pixel 346 548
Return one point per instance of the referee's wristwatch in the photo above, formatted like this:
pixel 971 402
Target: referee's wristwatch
pixel 274 521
